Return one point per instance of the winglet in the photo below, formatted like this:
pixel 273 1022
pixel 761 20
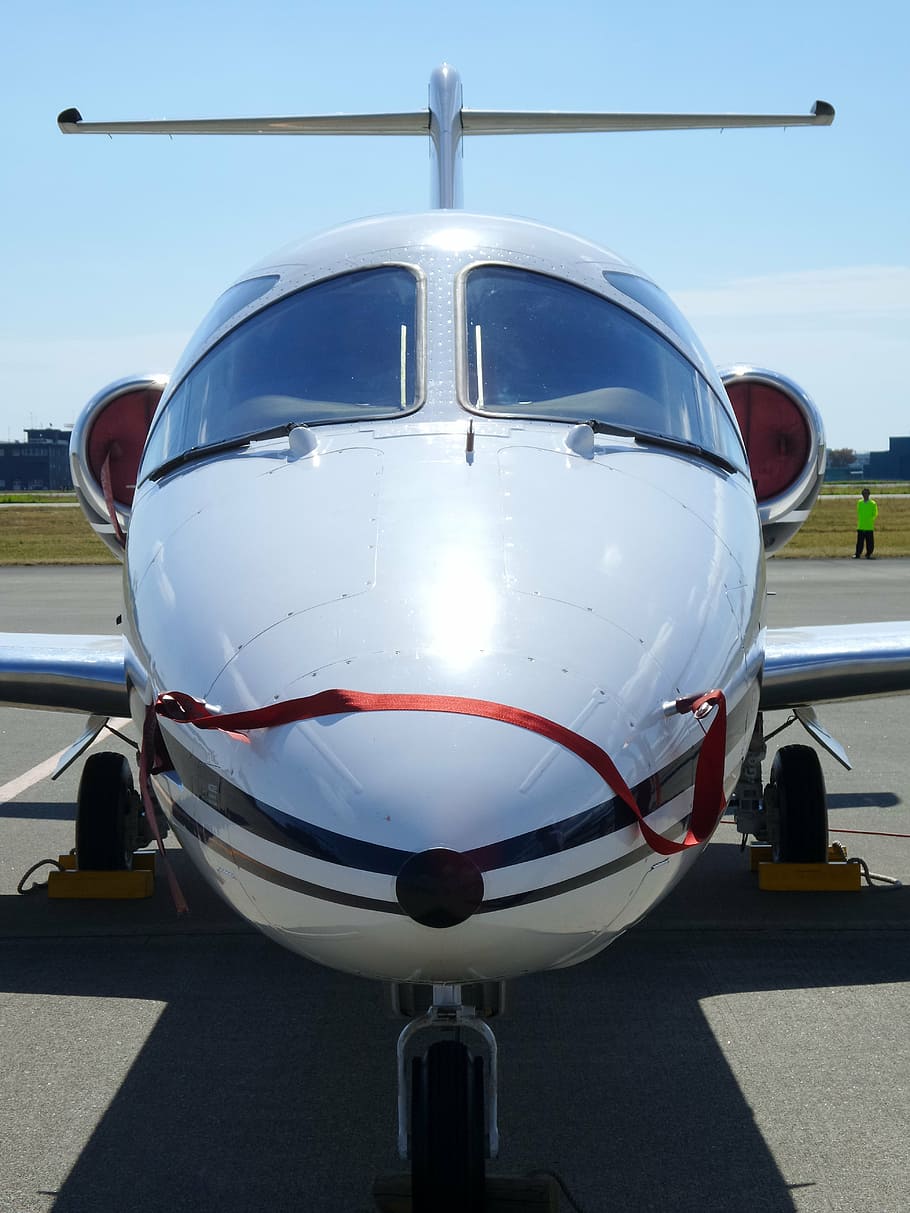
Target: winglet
pixel 68 120
pixel 823 113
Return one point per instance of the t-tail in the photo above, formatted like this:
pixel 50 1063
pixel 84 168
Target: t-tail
pixel 446 121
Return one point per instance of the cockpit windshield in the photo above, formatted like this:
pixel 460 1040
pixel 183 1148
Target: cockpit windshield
pixel 539 347
pixel 342 349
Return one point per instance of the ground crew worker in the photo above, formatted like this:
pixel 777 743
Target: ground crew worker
pixel 866 514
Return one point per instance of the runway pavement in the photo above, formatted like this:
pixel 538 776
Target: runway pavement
pixel 738 1051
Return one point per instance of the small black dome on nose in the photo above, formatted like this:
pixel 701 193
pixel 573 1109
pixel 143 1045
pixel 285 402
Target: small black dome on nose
pixel 439 888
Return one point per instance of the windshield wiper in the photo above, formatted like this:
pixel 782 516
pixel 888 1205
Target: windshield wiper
pixel 225 444
pixel 610 427
pixel 643 438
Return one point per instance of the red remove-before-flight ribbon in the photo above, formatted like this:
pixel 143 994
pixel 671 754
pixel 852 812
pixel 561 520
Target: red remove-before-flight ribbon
pixel 708 798
pixel 108 491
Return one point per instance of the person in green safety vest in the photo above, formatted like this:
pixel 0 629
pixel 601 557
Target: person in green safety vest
pixel 866 514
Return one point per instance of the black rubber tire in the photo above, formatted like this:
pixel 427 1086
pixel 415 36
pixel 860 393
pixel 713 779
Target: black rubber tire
pixel 104 807
pixel 797 778
pixel 447 1131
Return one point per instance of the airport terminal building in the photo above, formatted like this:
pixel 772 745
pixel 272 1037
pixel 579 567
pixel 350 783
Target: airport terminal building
pixel 41 463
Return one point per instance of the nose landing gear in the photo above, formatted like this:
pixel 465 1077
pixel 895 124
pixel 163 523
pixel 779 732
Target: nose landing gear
pixel 447 1139
pixel 447 1108
pixel 447 1077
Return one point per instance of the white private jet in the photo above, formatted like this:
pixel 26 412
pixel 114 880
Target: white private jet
pixel 443 581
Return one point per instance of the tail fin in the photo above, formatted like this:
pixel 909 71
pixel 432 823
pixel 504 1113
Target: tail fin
pixel 445 121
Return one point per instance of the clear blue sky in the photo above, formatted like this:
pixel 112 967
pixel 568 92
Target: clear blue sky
pixel 789 249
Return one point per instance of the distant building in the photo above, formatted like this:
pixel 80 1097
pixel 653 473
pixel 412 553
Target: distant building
pixel 893 464
pixel 39 464
pixel 854 470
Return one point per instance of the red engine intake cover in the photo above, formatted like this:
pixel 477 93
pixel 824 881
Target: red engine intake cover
pixel 776 434
pixel 120 431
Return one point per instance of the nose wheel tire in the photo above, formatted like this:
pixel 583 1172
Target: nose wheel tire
pixel 106 815
pixel 801 807
pixel 447 1130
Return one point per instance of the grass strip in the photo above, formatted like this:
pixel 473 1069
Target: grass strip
pixel 853 488
pixel 49 536
pixel 830 530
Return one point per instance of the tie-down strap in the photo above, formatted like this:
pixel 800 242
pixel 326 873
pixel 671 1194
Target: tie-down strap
pixel 708 794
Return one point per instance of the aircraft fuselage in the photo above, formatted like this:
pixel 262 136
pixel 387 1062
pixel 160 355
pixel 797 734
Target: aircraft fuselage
pixel 583 576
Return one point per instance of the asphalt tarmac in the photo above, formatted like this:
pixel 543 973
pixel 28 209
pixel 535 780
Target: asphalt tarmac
pixel 737 1051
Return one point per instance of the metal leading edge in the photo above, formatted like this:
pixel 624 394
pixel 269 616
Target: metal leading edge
pixel 825 664
pixel 519 122
pixel 64 673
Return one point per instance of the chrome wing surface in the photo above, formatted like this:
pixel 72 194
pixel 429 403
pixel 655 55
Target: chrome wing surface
pixel 812 665
pixel 804 665
pixel 64 673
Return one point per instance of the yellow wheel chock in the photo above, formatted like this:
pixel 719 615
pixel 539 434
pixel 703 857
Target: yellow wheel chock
pixel 835 876
pixel 70 883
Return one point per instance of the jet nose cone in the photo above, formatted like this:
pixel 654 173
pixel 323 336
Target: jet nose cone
pixel 439 887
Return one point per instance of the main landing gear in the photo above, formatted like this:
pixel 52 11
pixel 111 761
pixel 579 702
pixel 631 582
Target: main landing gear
pixel 791 812
pixel 110 821
pixel 111 826
pixel 107 815
pixel 797 808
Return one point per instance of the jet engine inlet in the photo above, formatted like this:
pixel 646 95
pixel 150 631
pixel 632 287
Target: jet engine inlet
pixel 439 888
pixel 105 449
pixel 785 442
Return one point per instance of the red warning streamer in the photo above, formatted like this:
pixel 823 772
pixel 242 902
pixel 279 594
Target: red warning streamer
pixel 708 800
pixel 108 491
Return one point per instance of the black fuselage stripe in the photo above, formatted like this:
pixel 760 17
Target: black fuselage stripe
pixel 274 875
pixel 297 885
pixel 510 901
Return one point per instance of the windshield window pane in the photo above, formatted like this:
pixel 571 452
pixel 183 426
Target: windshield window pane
pixel 234 300
pixel 540 347
pixel 340 350
pixel 655 300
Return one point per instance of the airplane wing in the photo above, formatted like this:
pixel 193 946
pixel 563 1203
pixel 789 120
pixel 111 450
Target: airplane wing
pixel 804 665
pixel 812 665
pixel 64 673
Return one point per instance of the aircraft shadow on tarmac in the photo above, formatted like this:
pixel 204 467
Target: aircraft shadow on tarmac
pixel 38 810
pixel 863 800
pixel 269 1083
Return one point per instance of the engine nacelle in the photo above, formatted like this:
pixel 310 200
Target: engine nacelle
pixel 785 442
pixel 105 450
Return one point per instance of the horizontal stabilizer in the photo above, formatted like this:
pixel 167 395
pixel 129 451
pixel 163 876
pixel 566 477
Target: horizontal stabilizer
pixel 446 122
pixel 814 665
pixel 527 122
pixel 64 673
pixel 71 123
pixel 473 122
